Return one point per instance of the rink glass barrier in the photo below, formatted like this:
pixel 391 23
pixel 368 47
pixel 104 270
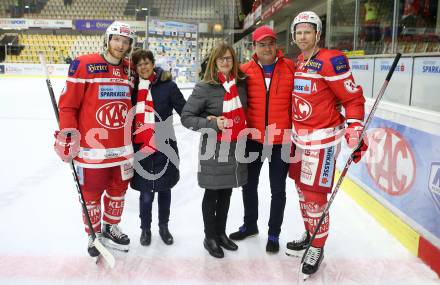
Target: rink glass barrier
pixel 383 26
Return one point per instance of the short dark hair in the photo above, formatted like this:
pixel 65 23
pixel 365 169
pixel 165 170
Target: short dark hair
pixel 142 54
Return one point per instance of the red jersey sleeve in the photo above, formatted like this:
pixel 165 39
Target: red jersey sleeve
pixel 337 74
pixel 72 95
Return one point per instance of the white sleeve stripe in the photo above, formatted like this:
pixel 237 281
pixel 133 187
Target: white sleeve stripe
pixel 338 77
pixel 309 75
pixel 99 80
pixel 318 76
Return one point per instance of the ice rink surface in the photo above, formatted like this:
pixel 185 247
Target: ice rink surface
pixel 42 240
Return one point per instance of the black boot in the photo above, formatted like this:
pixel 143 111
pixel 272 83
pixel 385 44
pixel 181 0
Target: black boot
pixel 145 237
pixel 165 235
pixel 243 232
pixel 226 243
pixel 272 245
pixel 213 248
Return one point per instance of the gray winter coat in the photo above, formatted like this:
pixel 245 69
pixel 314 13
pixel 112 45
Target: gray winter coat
pixel 218 167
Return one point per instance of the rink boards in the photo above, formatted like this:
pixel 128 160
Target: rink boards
pixel 398 181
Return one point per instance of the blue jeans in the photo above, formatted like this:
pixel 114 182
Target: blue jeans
pixel 146 204
pixel 278 170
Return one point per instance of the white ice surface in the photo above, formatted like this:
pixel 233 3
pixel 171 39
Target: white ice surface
pixel 42 239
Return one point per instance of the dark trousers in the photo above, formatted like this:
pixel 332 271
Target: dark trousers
pixel 215 208
pixel 146 204
pixel 277 175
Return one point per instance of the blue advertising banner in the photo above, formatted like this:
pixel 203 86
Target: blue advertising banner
pixel 402 166
pixel 92 25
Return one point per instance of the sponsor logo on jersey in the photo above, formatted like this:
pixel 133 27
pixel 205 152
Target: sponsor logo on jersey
pixel 327 168
pixel 340 64
pixel 315 64
pixel 73 67
pixel 434 178
pixel 116 72
pixel 108 92
pixel 428 69
pixel 97 68
pixel 309 167
pixel 350 86
pixel 112 115
pixel 301 109
pixel 302 86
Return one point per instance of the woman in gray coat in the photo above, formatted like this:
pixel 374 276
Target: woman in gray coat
pixel 216 109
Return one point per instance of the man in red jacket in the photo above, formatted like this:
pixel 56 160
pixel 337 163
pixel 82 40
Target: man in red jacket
pixel 269 83
pixel 323 82
pixel 93 112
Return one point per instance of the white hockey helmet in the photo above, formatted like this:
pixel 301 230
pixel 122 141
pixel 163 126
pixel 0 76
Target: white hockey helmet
pixel 121 29
pixel 306 17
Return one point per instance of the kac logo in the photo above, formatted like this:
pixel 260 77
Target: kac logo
pixel 434 178
pixel 301 109
pixel 112 115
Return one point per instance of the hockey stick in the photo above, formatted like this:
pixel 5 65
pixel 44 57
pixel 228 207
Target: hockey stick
pixel 108 257
pixel 350 159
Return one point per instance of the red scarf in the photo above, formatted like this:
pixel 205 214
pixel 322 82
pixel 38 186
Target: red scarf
pixel 232 110
pixel 144 118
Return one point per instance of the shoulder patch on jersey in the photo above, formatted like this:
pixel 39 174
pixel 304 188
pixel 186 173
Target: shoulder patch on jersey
pixel 73 67
pixel 314 64
pixel 340 64
pixel 97 68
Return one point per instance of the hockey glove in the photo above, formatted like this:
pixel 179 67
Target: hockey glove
pixel 352 135
pixel 67 144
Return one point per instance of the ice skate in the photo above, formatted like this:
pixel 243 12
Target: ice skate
pixel 296 248
pixel 313 259
pixel 114 238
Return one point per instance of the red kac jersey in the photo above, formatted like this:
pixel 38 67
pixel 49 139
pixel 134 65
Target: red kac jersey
pixel 319 90
pixel 96 100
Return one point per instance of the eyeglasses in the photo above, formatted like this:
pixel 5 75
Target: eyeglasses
pixel 225 58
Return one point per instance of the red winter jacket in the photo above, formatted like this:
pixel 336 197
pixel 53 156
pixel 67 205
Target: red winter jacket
pixel 273 106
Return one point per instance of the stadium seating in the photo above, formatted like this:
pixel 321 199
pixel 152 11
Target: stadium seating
pixel 57 48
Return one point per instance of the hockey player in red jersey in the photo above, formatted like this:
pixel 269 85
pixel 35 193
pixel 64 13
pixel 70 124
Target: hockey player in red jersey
pixel 322 83
pixel 94 132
